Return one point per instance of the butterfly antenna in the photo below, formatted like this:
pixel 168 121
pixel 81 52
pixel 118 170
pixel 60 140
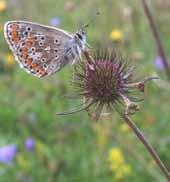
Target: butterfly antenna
pixel 91 20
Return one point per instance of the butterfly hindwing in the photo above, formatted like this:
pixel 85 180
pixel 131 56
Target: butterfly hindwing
pixel 36 46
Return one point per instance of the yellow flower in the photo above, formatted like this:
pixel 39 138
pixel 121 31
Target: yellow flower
pixel 9 60
pixel 116 35
pixel 115 158
pixel 117 163
pixel 3 5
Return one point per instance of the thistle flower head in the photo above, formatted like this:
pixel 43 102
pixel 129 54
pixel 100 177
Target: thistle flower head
pixel 105 80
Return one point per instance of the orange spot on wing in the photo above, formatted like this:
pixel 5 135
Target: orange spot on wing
pixel 24 49
pixel 24 55
pixel 15 37
pixel 14 27
pixel 24 52
pixel 16 40
pixel 34 65
pixel 29 61
pixel 14 33
pixel 28 44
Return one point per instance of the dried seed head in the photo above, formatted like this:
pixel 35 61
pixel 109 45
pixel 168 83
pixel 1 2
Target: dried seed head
pixel 105 81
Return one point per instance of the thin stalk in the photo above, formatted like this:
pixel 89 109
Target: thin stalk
pixel 147 145
pixel 156 35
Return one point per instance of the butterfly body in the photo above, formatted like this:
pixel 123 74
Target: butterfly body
pixel 43 50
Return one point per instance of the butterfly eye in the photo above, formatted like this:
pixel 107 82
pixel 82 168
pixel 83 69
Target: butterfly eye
pixel 79 36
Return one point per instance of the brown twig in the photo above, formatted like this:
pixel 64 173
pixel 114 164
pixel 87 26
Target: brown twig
pixel 157 38
pixel 147 145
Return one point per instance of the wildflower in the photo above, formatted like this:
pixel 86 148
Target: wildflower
pixel 9 60
pixel 55 21
pixel 29 144
pixel 7 153
pixel 117 163
pixel 158 63
pixel 3 5
pixel 105 82
pixel 115 157
pixel 116 35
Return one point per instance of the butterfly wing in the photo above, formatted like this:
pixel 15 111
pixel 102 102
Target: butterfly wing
pixel 39 49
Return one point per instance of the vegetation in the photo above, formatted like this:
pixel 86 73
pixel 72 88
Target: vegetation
pixel 38 145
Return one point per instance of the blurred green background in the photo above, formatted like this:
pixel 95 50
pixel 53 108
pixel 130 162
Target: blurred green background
pixel 74 148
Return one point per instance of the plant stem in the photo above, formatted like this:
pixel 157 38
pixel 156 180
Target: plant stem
pixel 147 145
pixel 156 35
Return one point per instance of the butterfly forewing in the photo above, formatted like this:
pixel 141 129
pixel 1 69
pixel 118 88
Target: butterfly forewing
pixel 39 49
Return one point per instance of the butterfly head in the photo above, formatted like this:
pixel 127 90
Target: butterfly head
pixel 81 35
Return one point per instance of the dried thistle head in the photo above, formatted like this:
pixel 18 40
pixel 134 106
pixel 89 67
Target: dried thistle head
pixel 105 80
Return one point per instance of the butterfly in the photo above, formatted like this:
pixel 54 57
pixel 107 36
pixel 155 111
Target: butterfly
pixel 43 50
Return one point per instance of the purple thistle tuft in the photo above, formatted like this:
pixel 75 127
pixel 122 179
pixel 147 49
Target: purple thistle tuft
pixel 7 153
pixel 30 144
pixel 106 82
